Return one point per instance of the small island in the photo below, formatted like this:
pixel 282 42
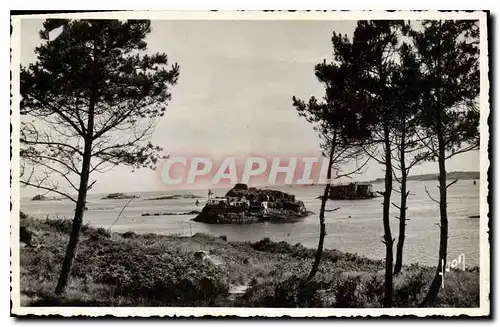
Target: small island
pixel 40 197
pixel 243 205
pixel 192 212
pixel 119 196
pixel 176 197
pixel 352 191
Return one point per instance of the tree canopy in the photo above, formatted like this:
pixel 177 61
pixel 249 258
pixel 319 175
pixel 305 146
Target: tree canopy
pixel 92 84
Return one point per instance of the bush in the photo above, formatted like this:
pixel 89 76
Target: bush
pixel 64 225
pixel 167 279
pixel 129 234
pixel 461 290
pixel 297 250
pixel 347 294
pixel 349 260
pixel 103 232
pixel 204 236
pixel 99 233
pixel 156 270
pixel 408 286
pixel 373 285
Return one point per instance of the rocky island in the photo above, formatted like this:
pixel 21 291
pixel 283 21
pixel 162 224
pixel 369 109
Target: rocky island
pixel 119 196
pixel 40 197
pixel 176 197
pixel 243 205
pixel 192 212
pixel 352 191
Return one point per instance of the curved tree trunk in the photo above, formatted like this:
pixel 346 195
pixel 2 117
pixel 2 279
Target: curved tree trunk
pixel 322 234
pixel 322 228
pixel 388 241
pixel 443 238
pixel 77 223
pixel 402 209
pixel 437 282
pixel 402 226
pixel 82 198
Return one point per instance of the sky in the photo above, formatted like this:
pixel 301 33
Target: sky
pixel 234 94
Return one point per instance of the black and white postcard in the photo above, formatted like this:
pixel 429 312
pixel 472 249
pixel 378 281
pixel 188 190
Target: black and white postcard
pixel 251 163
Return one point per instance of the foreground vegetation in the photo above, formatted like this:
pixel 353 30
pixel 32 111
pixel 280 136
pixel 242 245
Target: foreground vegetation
pixel 129 269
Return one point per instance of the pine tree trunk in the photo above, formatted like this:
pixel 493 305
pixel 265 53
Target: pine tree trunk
pixel 82 194
pixel 443 237
pixel 322 231
pixel 402 209
pixel 387 302
pixel 77 222
pixel 402 227
pixel 322 234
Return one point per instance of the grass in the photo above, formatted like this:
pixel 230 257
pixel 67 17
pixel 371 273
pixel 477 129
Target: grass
pixel 130 269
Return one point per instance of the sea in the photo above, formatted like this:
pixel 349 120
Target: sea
pixel 355 227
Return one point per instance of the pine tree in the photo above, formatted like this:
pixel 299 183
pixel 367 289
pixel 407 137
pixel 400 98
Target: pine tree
pixel 449 55
pixel 90 102
pixel 341 124
pixel 375 44
pixel 408 150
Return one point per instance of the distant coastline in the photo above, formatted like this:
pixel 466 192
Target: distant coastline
pixel 460 175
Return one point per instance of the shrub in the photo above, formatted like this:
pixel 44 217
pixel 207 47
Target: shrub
pixel 461 289
pixel 346 293
pixel 204 236
pixel 167 279
pixel 129 234
pixel 349 260
pixel 103 232
pixel 373 287
pixel 156 270
pixel 99 233
pixel 408 285
pixel 64 225
pixel 150 236
pixel 297 250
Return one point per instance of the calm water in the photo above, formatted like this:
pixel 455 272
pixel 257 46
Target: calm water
pixel 360 233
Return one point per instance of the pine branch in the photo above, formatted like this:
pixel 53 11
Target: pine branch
pixel 394 204
pixel 60 113
pixel 51 143
pixel 48 189
pixel 456 180
pixel 467 149
pixel 426 191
